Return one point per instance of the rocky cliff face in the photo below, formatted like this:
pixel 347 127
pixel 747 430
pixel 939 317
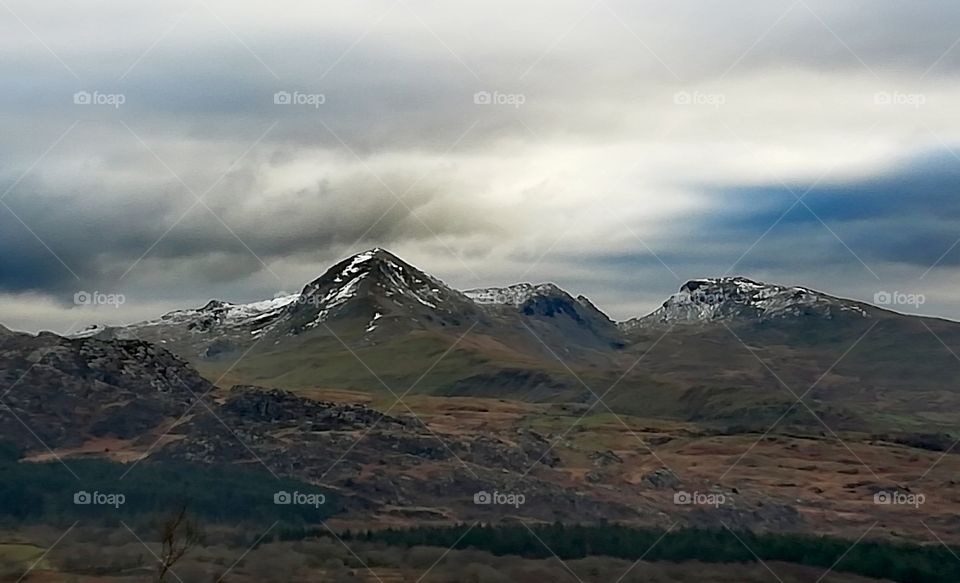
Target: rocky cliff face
pixel 59 392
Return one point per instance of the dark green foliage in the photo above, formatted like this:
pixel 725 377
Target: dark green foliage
pixel 9 451
pixel 44 492
pixel 897 562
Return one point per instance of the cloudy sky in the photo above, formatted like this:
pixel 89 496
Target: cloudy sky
pixel 178 151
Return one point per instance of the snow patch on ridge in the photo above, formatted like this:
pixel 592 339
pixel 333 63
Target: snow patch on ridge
pixel 725 298
pixel 514 295
pixel 353 267
pixel 228 313
pixel 337 296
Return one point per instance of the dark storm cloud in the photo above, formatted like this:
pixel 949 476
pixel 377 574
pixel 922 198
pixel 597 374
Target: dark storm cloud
pixel 98 243
pixel 501 191
pixel 909 214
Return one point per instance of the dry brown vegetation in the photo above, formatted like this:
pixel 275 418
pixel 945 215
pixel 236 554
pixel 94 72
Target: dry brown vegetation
pixel 829 479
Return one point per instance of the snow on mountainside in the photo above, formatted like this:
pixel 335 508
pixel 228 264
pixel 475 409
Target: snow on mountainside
pixel 513 295
pixel 88 332
pixel 231 314
pixel 547 310
pixel 725 298
pixel 374 285
pixel 544 299
pixel 378 293
pixel 369 285
pixel 373 272
pixel 215 316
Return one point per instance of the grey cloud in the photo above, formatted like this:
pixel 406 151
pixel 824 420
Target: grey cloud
pixel 99 233
pixel 598 123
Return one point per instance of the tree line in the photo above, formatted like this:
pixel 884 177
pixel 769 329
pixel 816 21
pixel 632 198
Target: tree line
pixel 103 491
pixel 906 563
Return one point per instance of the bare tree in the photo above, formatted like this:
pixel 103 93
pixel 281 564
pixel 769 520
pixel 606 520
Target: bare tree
pixel 178 534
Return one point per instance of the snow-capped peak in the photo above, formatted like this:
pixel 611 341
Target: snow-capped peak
pixel 355 264
pixel 725 298
pixel 513 295
pixel 381 279
pixel 374 284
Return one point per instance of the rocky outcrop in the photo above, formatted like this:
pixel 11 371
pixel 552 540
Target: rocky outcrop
pixel 59 392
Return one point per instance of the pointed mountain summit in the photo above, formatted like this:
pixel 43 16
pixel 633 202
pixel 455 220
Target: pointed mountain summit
pixel 377 284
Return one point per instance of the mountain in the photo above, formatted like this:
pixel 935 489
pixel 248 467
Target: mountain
pixel 502 389
pixel 725 350
pixel 381 291
pixel 740 299
pixel 379 296
pixel 549 310
pixel 374 309
pixel 372 293
pixel 78 404
pixel 738 351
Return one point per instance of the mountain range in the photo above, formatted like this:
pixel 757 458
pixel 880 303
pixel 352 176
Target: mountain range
pixel 405 397
pixel 727 350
